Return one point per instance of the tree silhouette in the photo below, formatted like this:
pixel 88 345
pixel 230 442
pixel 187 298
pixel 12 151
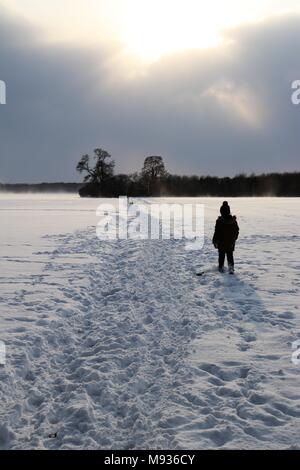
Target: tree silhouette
pixel 83 165
pixel 98 176
pixel 103 169
pixel 154 180
pixel 153 172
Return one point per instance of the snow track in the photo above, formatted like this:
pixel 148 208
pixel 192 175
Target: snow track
pixel 121 345
pixel 103 372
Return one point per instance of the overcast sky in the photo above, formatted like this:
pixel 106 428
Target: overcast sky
pixel 207 85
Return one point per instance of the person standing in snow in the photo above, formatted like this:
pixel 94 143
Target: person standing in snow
pixel 225 236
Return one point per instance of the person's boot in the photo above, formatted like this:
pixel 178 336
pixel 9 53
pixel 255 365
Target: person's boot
pixel 221 269
pixel 231 269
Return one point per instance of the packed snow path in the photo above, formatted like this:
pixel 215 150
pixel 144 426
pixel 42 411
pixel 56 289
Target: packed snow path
pixel 121 345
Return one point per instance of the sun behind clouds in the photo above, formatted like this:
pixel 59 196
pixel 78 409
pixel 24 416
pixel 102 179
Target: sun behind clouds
pixel 147 29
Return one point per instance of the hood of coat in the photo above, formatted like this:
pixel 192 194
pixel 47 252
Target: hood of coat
pixel 230 219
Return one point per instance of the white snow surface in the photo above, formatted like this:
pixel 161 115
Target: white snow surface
pixel 119 345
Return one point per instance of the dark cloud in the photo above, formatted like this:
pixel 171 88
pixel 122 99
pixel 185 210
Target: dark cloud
pixel 220 111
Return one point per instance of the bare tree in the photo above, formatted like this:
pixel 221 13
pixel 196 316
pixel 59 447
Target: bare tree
pixel 102 170
pixel 83 166
pixel 153 172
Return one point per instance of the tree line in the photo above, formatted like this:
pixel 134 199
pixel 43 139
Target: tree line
pixel 40 187
pixel 154 180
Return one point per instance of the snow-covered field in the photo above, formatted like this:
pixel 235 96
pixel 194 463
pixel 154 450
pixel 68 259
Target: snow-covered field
pixel 119 345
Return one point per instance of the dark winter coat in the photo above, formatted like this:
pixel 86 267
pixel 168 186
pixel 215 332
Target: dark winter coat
pixel 226 233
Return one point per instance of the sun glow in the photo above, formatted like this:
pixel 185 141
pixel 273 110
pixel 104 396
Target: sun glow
pixel 154 28
pixel 161 27
pixel 147 29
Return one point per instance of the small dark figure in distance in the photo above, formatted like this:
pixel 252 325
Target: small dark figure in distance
pixel 225 236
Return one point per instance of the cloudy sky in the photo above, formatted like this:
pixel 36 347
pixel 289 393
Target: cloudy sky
pixel 205 84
